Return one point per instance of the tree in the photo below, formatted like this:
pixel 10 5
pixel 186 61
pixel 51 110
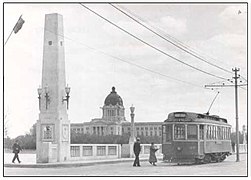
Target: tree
pixel 6 127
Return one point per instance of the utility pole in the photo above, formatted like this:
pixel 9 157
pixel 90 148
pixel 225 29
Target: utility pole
pixel 236 77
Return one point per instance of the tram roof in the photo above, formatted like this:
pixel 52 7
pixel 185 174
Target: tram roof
pixel 191 116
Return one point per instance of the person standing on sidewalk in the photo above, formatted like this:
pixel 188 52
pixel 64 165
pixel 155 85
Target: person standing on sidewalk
pixel 136 150
pixel 16 149
pixel 152 157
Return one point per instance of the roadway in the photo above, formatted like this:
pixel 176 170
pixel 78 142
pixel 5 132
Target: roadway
pixel 229 167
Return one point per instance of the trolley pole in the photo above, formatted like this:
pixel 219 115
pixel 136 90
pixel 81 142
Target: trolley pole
pixel 235 85
pixel 236 112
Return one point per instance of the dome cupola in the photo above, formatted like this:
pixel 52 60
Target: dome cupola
pixel 113 99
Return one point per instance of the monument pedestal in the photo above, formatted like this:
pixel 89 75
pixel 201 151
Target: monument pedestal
pixel 53 126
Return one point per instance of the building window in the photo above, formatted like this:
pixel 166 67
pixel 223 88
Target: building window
pixel 151 128
pixel 50 43
pixel 146 133
pixel 155 128
pixel 142 133
pixel 137 128
pixel 61 43
pixel 151 133
pixel 142 128
pixel 146 128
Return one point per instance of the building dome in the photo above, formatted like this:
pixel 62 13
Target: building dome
pixel 113 98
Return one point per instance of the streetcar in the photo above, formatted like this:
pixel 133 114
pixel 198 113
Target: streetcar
pixel 189 137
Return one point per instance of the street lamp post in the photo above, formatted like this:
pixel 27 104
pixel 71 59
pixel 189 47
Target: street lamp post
pixel 132 123
pixel 132 136
pixel 39 91
pixel 46 97
pixel 67 91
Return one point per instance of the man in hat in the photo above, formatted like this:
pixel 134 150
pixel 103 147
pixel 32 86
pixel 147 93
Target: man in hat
pixel 16 149
pixel 136 150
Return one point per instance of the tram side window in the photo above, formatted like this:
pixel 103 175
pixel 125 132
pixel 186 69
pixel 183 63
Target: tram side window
pixel 219 130
pixel 179 132
pixel 223 133
pixel 192 132
pixel 213 132
pixel 227 133
pixel 209 132
pixel 201 132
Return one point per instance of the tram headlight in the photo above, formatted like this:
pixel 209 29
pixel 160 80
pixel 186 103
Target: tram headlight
pixel 179 148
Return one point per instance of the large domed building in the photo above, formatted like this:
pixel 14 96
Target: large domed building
pixel 113 109
pixel 113 121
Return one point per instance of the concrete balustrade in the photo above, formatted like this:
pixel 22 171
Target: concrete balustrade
pixel 95 151
pixel 106 151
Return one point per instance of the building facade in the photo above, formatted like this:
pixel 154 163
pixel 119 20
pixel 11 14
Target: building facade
pixel 113 121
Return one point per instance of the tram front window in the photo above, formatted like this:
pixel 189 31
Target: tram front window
pixel 179 131
pixel 191 132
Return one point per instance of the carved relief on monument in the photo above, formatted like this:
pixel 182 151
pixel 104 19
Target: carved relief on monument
pixel 65 132
pixel 47 132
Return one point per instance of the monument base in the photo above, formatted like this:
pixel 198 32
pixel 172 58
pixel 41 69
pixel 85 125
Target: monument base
pixel 47 153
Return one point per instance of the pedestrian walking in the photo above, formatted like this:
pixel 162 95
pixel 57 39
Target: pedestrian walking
pixel 233 146
pixel 136 150
pixel 152 157
pixel 16 149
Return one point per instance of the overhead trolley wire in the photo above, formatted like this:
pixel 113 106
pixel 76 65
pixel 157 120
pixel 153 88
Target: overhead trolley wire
pixel 168 35
pixel 148 44
pixel 173 40
pixel 178 46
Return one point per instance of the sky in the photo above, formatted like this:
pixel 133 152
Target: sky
pixel 152 82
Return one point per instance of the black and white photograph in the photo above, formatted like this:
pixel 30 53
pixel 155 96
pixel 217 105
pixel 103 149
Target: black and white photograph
pixel 126 89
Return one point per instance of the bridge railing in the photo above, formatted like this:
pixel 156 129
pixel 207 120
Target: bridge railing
pixel 94 151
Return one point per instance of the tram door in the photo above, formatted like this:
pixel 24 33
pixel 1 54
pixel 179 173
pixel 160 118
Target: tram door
pixel 167 138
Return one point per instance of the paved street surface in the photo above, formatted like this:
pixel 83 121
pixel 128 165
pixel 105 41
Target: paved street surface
pixel 227 168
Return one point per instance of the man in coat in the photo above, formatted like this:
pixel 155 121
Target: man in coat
pixel 136 150
pixel 16 149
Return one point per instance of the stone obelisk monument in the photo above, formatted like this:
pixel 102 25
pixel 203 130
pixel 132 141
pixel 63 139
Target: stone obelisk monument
pixel 53 126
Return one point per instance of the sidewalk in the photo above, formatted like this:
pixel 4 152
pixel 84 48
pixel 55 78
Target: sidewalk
pixel 29 161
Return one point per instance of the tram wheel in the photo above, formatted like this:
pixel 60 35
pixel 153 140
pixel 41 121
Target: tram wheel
pixel 207 158
pixel 198 161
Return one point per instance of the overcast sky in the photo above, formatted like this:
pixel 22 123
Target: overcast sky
pixel 215 31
